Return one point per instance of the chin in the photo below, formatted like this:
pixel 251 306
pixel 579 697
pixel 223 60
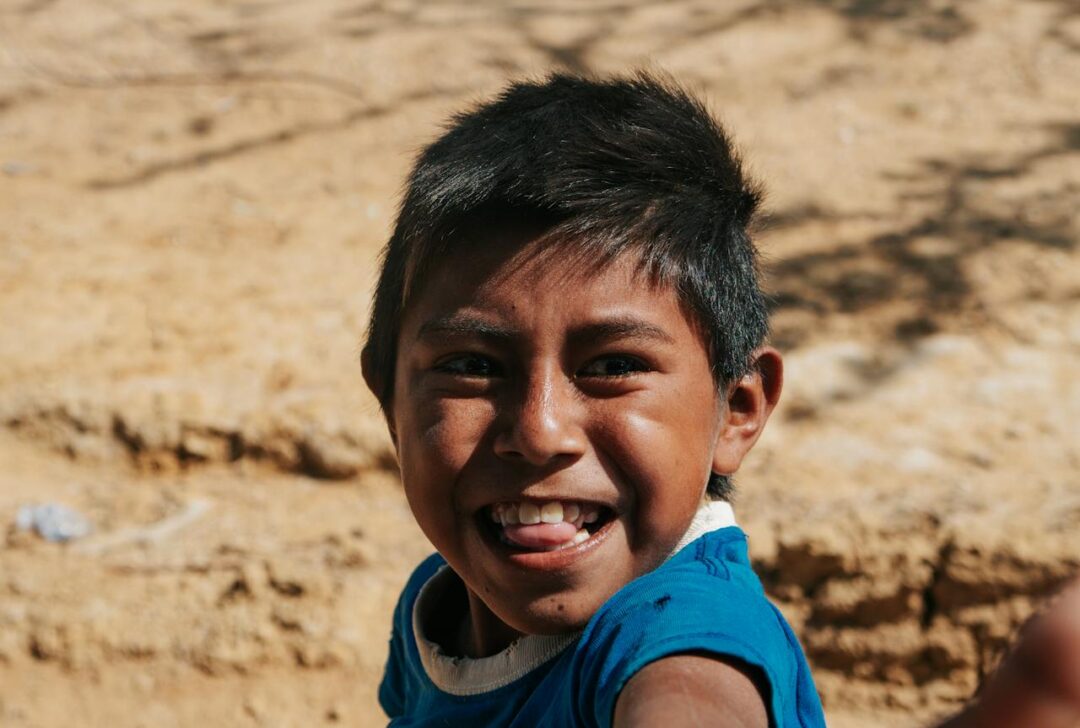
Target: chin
pixel 556 614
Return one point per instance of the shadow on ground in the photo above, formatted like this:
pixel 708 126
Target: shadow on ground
pixel 922 262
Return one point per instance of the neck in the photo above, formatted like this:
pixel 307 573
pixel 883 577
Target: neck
pixel 483 634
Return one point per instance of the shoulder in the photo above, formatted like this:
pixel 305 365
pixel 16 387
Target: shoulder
pixel 402 672
pixel 403 612
pixel 693 689
pixel 705 601
pixel 707 588
pixel 419 577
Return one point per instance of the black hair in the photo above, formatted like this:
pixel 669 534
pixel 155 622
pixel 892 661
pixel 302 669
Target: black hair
pixel 605 167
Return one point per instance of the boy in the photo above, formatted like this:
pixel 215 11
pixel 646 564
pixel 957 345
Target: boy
pixel 567 340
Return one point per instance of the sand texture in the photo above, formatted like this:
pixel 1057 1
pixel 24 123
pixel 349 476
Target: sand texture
pixel 193 196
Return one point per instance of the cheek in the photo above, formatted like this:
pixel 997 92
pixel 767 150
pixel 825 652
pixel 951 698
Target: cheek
pixel 665 458
pixel 435 444
pixel 437 441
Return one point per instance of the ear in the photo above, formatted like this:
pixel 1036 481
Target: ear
pixel 372 378
pixel 375 381
pixel 749 402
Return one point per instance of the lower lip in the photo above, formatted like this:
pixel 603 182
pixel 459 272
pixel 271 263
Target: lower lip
pixel 551 560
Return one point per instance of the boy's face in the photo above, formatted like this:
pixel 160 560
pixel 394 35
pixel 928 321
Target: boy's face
pixel 523 382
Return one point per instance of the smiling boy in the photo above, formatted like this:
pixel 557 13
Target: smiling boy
pixel 568 343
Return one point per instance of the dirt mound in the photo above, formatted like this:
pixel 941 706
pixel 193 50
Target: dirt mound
pixel 160 427
pixel 910 613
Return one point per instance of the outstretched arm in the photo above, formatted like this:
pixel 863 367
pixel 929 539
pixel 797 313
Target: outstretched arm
pixel 1038 684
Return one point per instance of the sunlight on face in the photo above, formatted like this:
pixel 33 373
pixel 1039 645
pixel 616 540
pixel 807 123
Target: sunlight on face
pixel 524 382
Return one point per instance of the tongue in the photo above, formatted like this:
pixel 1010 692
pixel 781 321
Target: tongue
pixel 540 535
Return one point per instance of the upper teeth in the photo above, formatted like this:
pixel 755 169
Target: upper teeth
pixel 528 513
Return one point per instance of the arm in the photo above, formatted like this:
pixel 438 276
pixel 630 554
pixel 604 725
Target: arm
pixel 692 690
pixel 1038 684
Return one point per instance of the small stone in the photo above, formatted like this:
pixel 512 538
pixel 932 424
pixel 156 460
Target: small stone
pixel 15 168
pixel 200 125
pixel 298 578
pixel 206 446
pixel 918 460
pixel 325 456
pixel 53 522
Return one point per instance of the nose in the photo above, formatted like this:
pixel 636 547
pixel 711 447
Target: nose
pixel 541 424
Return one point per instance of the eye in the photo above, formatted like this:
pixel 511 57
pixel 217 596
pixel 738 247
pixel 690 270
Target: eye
pixel 469 365
pixel 616 365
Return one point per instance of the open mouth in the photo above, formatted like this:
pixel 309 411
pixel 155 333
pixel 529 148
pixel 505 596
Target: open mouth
pixel 530 526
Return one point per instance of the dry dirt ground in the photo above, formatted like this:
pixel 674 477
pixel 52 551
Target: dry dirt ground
pixel 193 195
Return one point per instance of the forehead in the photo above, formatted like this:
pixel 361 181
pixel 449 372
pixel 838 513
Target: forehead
pixel 521 275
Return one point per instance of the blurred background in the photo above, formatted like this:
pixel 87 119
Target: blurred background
pixel 193 195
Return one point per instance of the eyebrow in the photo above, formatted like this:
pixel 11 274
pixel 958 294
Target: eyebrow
pixel 615 328
pixel 618 328
pixel 462 325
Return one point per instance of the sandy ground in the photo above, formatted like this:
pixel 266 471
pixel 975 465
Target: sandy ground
pixel 193 197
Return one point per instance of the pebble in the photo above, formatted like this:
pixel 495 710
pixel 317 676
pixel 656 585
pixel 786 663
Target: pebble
pixel 918 460
pixel 53 522
pixel 15 168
